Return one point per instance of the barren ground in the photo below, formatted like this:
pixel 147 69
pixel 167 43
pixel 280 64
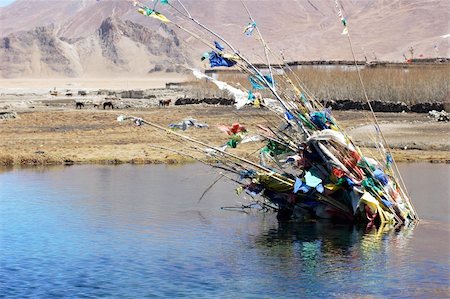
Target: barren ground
pixel 67 136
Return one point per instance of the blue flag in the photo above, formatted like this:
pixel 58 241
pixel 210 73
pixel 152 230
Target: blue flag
pixel 216 60
pixel 218 46
pixel 255 84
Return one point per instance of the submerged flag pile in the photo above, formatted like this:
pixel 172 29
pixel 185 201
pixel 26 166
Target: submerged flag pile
pixel 307 166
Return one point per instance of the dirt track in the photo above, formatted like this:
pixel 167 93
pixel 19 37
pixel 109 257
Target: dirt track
pixel 67 136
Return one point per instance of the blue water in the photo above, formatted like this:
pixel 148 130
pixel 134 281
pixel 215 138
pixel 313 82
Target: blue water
pixel 139 231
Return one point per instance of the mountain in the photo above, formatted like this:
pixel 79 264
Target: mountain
pixel 101 37
pixel 115 48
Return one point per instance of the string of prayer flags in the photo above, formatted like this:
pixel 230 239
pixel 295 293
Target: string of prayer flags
pixel 343 20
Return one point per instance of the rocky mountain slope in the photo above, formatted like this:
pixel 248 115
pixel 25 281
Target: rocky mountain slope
pixel 106 37
pixel 117 47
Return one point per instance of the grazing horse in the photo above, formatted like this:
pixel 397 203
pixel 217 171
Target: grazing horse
pixel 164 103
pixel 108 104
pixel 79 105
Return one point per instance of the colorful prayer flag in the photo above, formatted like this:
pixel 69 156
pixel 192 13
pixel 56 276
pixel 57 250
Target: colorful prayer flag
pixel 218 46
pixel 215 60
pixel 255 84
pixel 153 13
pixel 249 29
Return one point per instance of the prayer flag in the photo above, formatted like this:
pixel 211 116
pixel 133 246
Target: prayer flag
pixel 249 29
pixel 154 14
pixel 255 84
pixel 218 46
pixel 217 60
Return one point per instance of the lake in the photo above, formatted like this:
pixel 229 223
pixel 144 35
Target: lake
pixel 140 231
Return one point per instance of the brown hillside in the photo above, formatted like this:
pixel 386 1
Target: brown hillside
pixel 302 29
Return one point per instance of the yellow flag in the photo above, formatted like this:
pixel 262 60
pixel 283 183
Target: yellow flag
pixel 142 11
pixel 160 17
pixel 257 103
pixel 153 14
pixel 230 56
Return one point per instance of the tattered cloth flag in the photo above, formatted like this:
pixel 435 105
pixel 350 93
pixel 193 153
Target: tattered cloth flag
pixel 215 60
pixel 205 56
pixel 343 20
pixel 233 129
pixel 248 30
pixel 240 97
pixel 255 85
pixel 153 13
pixel 269 79
pixel 218 46
pixel 250 95
pixel 237 133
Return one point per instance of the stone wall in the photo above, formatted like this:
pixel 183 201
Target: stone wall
pixel 377 106
pixel 209 101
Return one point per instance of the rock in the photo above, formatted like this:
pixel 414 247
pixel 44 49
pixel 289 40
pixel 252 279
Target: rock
pixel 132 94
pixel 209 101
pixel 425 107
pixel 439 116
pixel 7 115
pixel 383 106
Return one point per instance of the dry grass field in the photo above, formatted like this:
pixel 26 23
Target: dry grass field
pixel 68 136
pixel 416 84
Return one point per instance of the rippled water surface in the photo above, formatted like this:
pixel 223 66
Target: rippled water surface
pixel 139 231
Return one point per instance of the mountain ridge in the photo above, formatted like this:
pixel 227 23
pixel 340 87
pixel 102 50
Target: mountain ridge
pixel 117 47
pixel 303 30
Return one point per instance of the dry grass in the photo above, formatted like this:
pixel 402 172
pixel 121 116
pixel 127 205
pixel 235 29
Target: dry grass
pixel 74 136
pixel 410 85
pixel 87 136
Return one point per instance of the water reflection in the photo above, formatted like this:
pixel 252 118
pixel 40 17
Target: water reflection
pixel 133 232
pixel 350 260
pixel 323 238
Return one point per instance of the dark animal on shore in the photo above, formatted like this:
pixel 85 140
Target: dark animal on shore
pixel 164 103
pixel 79 105
pixel 108 104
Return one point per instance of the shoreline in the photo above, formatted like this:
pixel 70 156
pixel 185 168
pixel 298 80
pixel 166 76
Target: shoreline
pixel 67 136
